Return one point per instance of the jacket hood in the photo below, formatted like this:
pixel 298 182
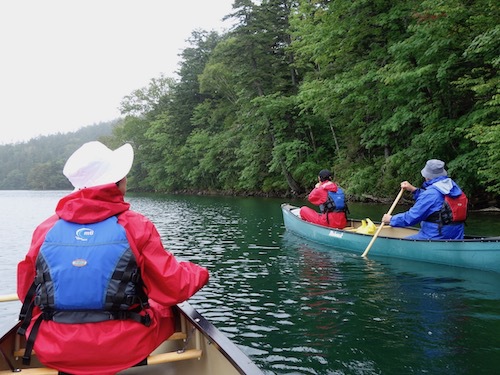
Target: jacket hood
pixel 91 205
pixel 445 185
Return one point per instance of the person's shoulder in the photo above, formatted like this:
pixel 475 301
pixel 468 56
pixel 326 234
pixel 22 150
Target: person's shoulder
pixel 137 225
pixel 330 186
pixel 430 190
pixel 131 215
pixel 47 224
pixel 456 190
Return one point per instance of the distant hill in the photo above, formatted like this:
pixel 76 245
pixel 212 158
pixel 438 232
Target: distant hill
pixel 37 164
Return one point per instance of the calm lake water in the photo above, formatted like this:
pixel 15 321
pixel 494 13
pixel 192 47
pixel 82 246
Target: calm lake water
pixel 296 307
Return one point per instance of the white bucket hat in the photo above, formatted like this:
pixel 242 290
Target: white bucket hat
pixel 94 164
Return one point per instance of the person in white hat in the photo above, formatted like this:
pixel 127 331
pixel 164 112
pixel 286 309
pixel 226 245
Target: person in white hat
pixel 94 164
pixel 439 216
pixel 104 283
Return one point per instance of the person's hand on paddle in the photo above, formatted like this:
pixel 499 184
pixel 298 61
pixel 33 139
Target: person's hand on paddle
pixel 408 187
pixel 386 219
pixel 405 185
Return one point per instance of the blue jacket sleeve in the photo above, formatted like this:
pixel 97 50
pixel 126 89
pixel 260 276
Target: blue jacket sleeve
pixel 426 202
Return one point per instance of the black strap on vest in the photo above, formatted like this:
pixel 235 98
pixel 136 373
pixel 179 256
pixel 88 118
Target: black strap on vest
pixel 129 275
pixel 30 342
pixel 27 310
pixel 44 298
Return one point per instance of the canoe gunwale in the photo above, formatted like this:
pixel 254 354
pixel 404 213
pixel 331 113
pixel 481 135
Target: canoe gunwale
pixel 228 349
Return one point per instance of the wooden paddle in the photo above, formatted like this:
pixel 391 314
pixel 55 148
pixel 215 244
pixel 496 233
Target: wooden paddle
pixel 382 224
pixel 8 297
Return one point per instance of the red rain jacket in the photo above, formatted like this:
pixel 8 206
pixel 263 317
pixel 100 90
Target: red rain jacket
pixel 110 346
pixel 318 196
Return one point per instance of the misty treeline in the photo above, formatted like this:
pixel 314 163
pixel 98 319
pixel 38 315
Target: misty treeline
pixel 38 163
pixel 369 89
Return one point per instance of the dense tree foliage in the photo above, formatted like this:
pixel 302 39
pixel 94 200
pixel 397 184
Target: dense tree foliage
pixel 370 89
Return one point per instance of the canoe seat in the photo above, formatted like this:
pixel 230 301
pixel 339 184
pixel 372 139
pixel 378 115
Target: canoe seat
pixel 32 371
pixel 153 359
pixel 174 336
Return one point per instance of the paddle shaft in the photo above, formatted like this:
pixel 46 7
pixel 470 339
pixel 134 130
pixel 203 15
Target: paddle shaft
pixel 8 297
pixel 382 223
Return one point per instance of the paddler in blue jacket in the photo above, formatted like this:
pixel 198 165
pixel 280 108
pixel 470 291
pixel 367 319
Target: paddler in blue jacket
pixel 429 204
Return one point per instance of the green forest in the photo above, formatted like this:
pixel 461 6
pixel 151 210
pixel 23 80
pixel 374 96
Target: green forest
pixel 370 89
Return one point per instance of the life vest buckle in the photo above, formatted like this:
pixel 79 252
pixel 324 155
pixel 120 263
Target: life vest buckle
pixel 146 320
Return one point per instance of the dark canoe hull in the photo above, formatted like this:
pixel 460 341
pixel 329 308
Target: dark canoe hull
pixel 204 350
pixel 476 253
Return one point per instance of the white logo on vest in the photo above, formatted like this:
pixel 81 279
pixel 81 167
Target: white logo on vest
pixel 83 234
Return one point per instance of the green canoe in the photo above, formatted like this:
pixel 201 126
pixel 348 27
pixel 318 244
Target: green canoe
pixel 481 253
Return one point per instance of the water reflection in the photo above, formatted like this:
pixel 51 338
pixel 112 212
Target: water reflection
pixel 374 316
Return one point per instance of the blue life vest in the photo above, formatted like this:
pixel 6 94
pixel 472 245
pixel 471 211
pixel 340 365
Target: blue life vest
pixel 335 201
pixel 84 274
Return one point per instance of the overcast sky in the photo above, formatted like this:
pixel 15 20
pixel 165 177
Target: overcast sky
pixel 66 64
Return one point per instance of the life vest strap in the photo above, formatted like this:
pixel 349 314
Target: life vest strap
pixel 30 342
